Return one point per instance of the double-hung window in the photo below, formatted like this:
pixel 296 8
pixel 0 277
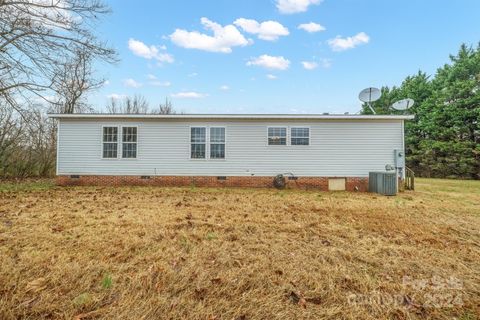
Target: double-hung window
pixel 129 142
pixel 110 142
pixel 277 136
pixel 198 142
pixel 217 143
pixel 300 136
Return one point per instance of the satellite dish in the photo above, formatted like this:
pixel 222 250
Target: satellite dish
pixel 370 95
pixel 403 104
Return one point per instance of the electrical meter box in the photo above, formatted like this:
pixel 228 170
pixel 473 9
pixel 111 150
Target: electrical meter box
pixel 399 156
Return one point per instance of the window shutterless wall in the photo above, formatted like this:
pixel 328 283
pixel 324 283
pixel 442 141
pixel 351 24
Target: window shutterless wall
pixel 208 142
pixel 337 148
pixel 106 133
pixel 115 139
pixel 272 130
pixel 129 141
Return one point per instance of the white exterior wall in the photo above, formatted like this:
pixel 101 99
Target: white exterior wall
pixel 337 148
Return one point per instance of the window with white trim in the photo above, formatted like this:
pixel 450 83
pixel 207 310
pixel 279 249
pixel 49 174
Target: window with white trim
pixel 110 142
pixel 300 136
pixel 217 143
pixel 198 142
pixel 277 136
pixel 129 142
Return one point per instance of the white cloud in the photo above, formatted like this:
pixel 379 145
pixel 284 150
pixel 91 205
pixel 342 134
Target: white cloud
pixel 116 96
pixel 270 62
pixel 267 30
pixel 106 82
pixel 153 81
pixel 311 27
pixel 326 63
pixel 131 83
pixel 165 57
pixel 192 75
pixel 140 49
pixel 341 44
pixel 157 83
pixel 295 6
pixel 223 39
pixel 312 65
pixel 309 65
pixel 225 87
pixel 189 95
pixel 271 77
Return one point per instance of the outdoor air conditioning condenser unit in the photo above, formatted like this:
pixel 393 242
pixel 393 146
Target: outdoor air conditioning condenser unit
pixel 383 183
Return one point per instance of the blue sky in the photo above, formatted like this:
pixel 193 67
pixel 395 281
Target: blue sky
pixel 169 49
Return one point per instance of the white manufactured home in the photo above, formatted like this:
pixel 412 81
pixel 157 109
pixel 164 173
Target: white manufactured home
pixel 323 151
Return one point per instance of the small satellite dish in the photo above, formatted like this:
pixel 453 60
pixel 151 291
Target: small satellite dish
pixel 403 104
pixel 370 95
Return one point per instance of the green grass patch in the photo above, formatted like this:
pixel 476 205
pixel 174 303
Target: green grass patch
pixel 107 281
pixel 26 185
pixel 211 236
pixel 82 299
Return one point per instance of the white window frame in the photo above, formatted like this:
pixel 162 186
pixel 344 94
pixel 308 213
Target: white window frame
pixel 291 136
pixel 224 144
pixel 286 137
pixel 121 142
pixel 190 143
pixel 118 141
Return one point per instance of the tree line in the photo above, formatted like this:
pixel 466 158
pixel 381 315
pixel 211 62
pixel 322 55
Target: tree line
pixel 28 140
pixel 47 53
pixel 443 140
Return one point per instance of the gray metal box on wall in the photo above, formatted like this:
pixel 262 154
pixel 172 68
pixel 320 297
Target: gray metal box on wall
pixel 399 157
pixel 383 183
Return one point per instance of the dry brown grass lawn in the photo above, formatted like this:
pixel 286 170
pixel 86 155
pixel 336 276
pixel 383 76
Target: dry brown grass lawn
pixel 171 253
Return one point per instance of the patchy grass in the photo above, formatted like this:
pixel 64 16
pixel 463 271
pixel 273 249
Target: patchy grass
pixel 156 253
pixel 107 281
pixel 26 185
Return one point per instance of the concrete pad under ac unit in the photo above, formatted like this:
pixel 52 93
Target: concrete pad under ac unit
pixel 336 184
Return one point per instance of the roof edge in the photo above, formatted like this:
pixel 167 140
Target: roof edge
pixel 229 116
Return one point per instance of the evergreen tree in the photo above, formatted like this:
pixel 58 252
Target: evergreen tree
pixel 454 121
pixel 444 138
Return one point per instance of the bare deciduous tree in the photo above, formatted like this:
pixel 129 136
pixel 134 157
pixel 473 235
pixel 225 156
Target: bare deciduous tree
pixel 74 81
pixel 130 105
pixel 10 133
pixel 38 38
pixel 138 105
pixel 27 143
pixel 166 108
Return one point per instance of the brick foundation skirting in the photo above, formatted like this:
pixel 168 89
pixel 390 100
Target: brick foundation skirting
pixel 320 183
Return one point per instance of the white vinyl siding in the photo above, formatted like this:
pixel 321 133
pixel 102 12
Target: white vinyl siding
pixel 340 148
